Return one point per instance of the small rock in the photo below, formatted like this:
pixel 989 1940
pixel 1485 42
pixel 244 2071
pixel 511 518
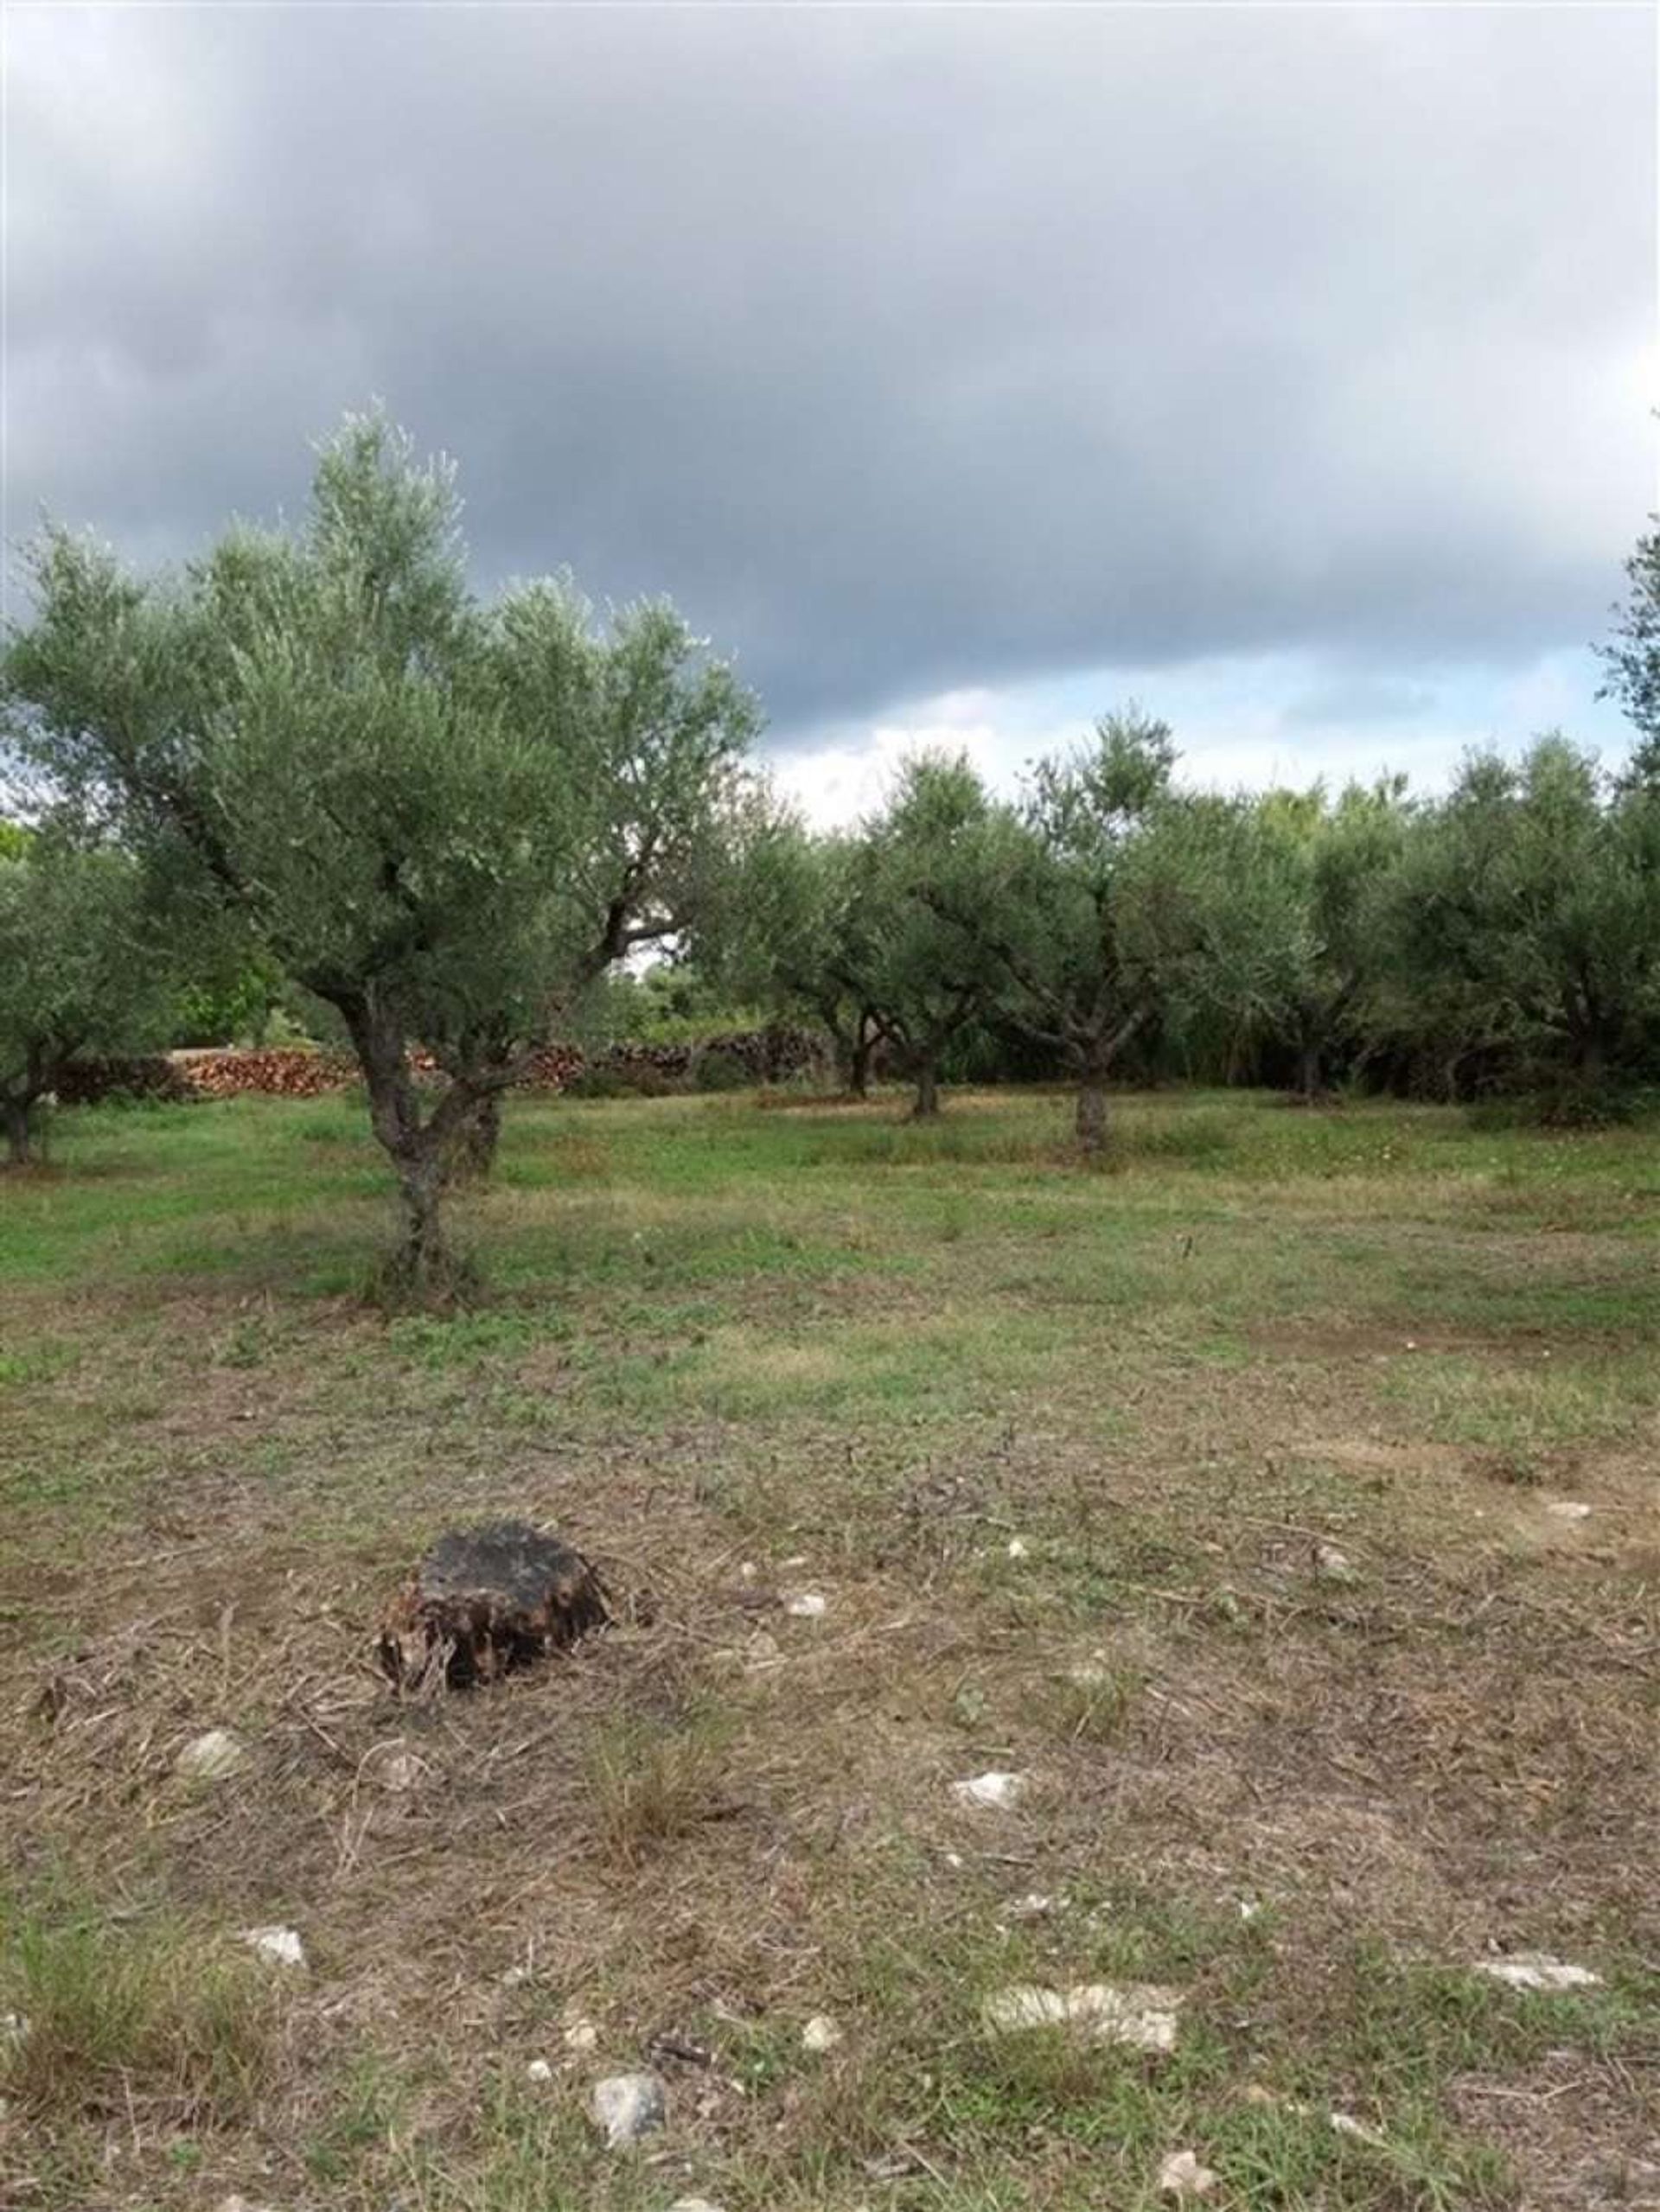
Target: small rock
pixel 806 1605
pixel 241 2204
pixel 212 1757
pixel 400 1772
pixel 1344 2123
pixel 539 2070
pixel 581 2034
pixel 282 1945
pixel 1182 2175
pixel 516 1977
pixel 1034 1906
pixel 694 2204
pixel 628 2106
pixel 1249 1908
pixel 995 1789
pixel 1018 1547
pixel 820 2033
pixel 1537 1970
pixel 798 1560
pixel 1331 1564
pixel 1138 2014
pixel 1569 1510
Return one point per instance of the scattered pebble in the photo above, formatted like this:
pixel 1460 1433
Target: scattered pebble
pixel 539 2070
pixel 1249 1908
pixel 1569 1510
pixel 581 2034
pixel 1034 1906
pixel 212 1757
pixel 994 1789
pixel 1182 2175
pixel 820 2033
pixel 745 1573
pixel 1537 1970
pixel 1344 2123
pixel 1331 1564
pixel 516 1977
pixel 1138 2014
pixel 1018 1547
pixel 806 1605
pixel 694 2204
pixel 628 2106
pixel 282 1945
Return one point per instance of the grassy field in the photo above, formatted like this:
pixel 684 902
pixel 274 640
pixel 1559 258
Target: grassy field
pixel 1215 1494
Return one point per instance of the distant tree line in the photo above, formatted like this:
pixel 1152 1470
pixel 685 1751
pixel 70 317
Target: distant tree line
pixel 1111 924
pixel 314 774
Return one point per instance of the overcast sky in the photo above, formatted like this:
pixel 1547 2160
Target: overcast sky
pixel 965 370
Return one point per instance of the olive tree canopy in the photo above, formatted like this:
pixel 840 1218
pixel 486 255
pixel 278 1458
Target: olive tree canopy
pixel 444 818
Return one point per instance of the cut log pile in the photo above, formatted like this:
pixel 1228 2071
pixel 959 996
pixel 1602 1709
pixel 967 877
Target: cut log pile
pixel 284 1071
pixel 295 1072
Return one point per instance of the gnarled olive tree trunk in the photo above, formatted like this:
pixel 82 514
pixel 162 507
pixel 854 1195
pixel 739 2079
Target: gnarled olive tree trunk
pixel 424 1269
pixel 926 1069
pixel 15 1114
pixel 473 1156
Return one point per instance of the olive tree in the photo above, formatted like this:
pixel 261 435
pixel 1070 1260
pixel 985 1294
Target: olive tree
pixel 1305 891
pixel 1092 901
pixel 796 931
pixel 1633 653
pixel 909 953
pixel 1527 915
pixel 81 971
pixel 444 819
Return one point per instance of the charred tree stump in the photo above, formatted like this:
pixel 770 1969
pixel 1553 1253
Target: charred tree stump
pixel 484 1601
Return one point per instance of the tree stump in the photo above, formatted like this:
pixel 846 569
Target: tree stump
pixel 484 1601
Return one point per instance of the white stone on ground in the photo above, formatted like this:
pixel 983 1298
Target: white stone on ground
pixel 1139 2015
pixel 1018 1547
pixel 628 2106
pixel 539 2070
pixel 820 2033
pixel 1344 2123
pixel 581 2034
pixel 694 2204
pixel 400 1771
pixel 1331 1564
pixel 996 1789
pixel 212 1757
pixel 1182 2175
pixel 806 1605
pixel 282 1945
pixel 1537 1970
pixel 1034 1906
pixel 1569 1510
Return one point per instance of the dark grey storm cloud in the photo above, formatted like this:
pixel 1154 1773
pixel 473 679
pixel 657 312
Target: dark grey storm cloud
pixel 907 348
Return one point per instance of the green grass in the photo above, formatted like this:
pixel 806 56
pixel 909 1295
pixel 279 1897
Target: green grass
pixel 734 1352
